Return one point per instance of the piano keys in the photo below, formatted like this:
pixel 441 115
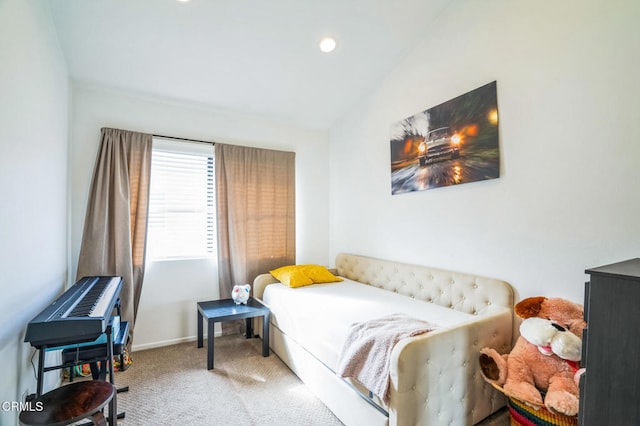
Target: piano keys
pixel 80 314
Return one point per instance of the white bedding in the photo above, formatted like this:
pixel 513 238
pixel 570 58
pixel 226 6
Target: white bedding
pixel 318 316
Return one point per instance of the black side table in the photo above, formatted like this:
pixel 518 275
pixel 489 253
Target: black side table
pixel 226 310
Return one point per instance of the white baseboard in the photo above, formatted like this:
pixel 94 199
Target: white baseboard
pixel 169 342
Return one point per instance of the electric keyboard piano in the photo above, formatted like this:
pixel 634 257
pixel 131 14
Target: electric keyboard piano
pixel 80 314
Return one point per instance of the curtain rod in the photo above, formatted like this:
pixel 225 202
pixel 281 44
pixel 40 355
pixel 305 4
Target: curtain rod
pixel 184 139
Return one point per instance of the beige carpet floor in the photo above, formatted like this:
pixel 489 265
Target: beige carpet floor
pixel 172 386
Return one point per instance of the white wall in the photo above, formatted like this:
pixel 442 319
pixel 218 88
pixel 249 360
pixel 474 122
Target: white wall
pixel 567 198
pixel 33 185
pixel 167 312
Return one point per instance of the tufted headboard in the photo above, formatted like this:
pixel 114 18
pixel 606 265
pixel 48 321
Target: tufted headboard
pixel 463 292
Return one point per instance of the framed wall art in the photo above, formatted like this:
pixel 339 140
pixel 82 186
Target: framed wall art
pixel 452 143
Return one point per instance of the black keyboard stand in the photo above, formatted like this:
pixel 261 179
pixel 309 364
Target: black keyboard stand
pixel 105 360
pixel 91 354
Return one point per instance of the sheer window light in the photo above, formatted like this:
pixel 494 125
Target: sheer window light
pixel 181 201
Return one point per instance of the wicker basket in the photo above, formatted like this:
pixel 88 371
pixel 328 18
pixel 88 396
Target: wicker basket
pixel 523 415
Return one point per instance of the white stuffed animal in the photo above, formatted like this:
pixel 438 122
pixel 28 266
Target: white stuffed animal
pixel 240 294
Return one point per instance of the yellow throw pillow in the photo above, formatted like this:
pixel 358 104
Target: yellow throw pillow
pixel 302 275
pixel 320 274
pixel 291 276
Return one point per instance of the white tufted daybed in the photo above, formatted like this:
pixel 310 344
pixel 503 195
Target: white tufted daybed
pixel 434 377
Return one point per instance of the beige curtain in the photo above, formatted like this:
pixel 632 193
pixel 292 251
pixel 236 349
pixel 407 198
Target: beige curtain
pixel 255 213
pixel 113 241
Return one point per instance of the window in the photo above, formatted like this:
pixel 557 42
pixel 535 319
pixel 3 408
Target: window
pixel 181 201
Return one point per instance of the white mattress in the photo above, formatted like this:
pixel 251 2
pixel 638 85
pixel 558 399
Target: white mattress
pixel 318 316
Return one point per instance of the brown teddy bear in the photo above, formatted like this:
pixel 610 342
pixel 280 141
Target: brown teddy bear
pixel 545 358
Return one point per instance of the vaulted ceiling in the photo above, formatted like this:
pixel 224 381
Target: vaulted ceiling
pixel 257 57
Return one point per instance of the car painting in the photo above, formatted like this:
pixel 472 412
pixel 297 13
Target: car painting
pixel 452 143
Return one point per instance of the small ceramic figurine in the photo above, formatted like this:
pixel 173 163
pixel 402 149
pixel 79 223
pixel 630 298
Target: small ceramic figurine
pixel 240 294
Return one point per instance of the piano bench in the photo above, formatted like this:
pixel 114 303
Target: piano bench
pixel 71 403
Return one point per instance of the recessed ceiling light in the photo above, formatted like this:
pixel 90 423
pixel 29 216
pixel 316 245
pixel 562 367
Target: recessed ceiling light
pixel 183 1
pixel 327 44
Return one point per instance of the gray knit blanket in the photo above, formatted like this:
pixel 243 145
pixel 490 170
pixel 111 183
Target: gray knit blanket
pixel 366 353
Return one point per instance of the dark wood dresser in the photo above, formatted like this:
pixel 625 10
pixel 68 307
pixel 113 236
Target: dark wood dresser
pixel 610 388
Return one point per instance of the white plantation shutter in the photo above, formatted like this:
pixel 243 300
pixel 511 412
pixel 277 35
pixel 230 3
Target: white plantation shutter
pixel 182 201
